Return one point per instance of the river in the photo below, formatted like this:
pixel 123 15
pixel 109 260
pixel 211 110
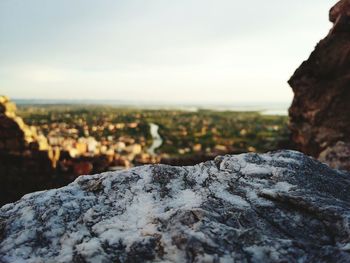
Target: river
pixel 157 140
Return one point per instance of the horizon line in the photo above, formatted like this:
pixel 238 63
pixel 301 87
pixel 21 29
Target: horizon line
pixel 125 101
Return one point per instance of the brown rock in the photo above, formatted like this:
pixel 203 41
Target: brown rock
pixel 3 99
pixel 337 156
pixel 82 168
pixel 340 9
pixel 2 108
pixel 320 112
pixel 14 145
pixel 26 161
pixel 14 133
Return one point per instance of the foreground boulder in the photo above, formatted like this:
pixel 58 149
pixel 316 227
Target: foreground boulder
pixel 320 112
pixel 278 207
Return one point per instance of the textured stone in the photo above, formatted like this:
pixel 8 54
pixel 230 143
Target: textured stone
pixel 342 8
pixel 278 207
pixel 337 156
pixel 320 112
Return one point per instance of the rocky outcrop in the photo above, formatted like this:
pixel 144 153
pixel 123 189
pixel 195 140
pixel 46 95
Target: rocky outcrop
pixel 26 159
pixel 278 207
pixel 338 155
pixel 15 135
pixel 320 112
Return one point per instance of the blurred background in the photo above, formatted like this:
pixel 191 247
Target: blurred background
pixel 89 87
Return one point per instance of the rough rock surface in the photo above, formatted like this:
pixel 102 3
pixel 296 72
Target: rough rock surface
pixel 320 112
pixel 277 207
pixel 337 155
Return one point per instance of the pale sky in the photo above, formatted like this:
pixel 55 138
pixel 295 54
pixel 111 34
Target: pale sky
pixel 157 50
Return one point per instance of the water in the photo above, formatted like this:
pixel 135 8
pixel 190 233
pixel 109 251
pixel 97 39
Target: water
pixel 157 140
pixel 279 112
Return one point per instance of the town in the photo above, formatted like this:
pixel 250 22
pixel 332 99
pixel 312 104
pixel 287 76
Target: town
pixel 88 139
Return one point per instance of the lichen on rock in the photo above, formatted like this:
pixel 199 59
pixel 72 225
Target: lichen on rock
pixel 276 207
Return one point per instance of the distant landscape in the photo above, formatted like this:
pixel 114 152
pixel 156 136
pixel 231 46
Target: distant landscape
pixel 49 143
pixel 270 108
pixel 186 131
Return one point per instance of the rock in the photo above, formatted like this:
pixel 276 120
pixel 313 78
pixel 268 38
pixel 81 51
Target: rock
pixel 320 112
pixel 3 99
pixel 337 156
pixel 14 133
pixel 82 168
pixel 277 207
pixel 26 159
pixel 13 129
pixel 342 8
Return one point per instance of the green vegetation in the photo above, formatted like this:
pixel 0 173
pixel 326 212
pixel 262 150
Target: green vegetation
pixel 183 132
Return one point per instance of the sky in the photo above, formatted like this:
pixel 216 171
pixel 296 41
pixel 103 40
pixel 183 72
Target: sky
pixel 216 51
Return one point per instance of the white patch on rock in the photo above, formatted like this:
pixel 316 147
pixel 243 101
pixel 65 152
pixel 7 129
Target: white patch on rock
pixel 214 211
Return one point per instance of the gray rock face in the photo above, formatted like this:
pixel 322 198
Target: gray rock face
pixel 277 207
